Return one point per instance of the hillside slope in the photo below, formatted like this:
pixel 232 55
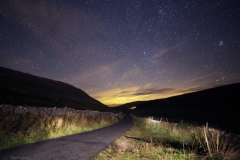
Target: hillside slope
pixel 223 97
pixel 19 88
pixel 219 106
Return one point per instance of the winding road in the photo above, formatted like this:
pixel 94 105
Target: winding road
pixel 82 146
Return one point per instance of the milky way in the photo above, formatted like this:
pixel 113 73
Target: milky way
pixel 120 51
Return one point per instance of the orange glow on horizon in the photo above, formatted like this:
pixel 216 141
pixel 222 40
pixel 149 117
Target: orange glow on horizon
pixel 116 97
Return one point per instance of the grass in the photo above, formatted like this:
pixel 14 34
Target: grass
pixel 149 139
pixel 226 119
pixel 17 129
pixel 127 148
pixel 216 145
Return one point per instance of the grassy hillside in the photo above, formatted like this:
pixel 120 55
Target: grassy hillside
pixel 215 98
pixel 19 88
pixel 219 106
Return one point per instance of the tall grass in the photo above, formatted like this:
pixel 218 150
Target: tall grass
pixel 16 129
pixel 218 145
pixel 149 139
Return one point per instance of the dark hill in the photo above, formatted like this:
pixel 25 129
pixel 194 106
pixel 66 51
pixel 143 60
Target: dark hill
pixel 219 106
pixel 224 97
pixel 19 88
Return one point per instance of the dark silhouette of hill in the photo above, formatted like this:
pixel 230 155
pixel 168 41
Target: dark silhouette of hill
pixel 223 97
pixel 19 88
pixel 219 106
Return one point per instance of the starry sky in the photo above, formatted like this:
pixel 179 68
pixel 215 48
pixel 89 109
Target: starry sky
pixel 120 51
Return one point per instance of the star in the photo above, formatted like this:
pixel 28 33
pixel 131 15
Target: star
pixel 111 47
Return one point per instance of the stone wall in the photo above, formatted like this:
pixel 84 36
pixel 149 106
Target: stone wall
pixel 5 108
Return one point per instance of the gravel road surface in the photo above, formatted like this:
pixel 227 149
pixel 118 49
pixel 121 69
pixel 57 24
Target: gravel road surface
pixel 82 146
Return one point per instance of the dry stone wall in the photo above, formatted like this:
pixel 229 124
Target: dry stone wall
pixel 5 108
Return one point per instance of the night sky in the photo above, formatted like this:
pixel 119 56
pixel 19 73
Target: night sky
pixel 120 51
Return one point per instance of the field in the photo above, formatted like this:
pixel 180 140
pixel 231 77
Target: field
pixel 150 139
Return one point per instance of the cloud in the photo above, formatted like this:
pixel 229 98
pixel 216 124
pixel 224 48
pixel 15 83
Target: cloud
pixel 189 90
pixel 135 71
pixel 116 96
pixel 167 91
pixel 120 96
pixel 198 78
pixel 154 91
pixel 95 72
pixel 66 30
pixel 166 50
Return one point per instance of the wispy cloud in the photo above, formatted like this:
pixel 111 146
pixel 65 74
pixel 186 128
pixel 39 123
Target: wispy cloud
pixel 135 71
pixel 44 21
pixel 167 91
pixel 189 90
pixel 220 80
pixel 198 78
pixel 95 72
pixel 167 49
pixel 120 96
pixel 155 90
